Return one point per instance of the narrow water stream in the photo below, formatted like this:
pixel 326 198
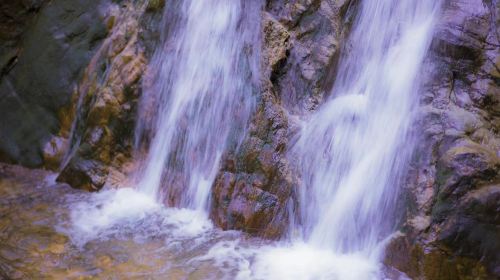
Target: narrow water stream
pixel 198 98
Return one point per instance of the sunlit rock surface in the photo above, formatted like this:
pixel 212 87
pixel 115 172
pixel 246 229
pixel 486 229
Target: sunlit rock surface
pixel 101 133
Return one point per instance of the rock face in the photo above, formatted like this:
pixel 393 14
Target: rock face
pixel 453 192
pixel 71 103
pixel 254 190
pixel 44 47
pixel 103 128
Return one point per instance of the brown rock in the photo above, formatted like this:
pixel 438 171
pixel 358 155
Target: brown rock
pixel 54 151
pixel 84 174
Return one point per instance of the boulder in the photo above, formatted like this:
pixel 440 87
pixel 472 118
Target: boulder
pixel 39 81
pixel 88 175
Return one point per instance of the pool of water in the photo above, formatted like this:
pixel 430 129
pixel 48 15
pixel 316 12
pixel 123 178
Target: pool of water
pixel 51 231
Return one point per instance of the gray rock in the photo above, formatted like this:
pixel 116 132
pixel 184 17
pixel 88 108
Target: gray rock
pixel 456 171
pixel 40 81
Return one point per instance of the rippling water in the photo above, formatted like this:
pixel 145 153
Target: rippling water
pixel 52 231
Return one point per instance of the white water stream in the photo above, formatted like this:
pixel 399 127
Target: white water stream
pixel 198 98
pixel 351 151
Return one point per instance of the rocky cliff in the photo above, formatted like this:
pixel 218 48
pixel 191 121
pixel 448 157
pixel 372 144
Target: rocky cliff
pixel 453 191
pixel 71 75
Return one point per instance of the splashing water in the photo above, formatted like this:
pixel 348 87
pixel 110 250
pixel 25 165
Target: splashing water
pixel 199 98
pixel 353 149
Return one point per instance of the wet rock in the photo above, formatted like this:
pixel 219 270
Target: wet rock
pixel 473 229
pixel 463 30
pixel 252 190
pixel 300 40
pixel 85 174
pixel 311 43
pixel 431 262
pixel 54 151
pixel 109 90
pixel 464 167
pixel 244 205
pixel 277 45
pixel 155 5
pixel 37 82
pixel 452 226
pixel 14 19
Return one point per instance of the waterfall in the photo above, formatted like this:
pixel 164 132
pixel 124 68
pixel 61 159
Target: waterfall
pixel 352 151
pixel 197 98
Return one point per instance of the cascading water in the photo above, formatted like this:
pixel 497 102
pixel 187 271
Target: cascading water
pixel 199 98
pixel 196 104
pixel 353 149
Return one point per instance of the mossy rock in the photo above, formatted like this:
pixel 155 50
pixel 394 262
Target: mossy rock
pixel 155 5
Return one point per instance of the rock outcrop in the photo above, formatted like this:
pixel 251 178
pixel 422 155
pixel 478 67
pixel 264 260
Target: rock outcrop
pixel 103 127
pixel 71 104
pixel 452 227
pixel 255 189
pixel 44 48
